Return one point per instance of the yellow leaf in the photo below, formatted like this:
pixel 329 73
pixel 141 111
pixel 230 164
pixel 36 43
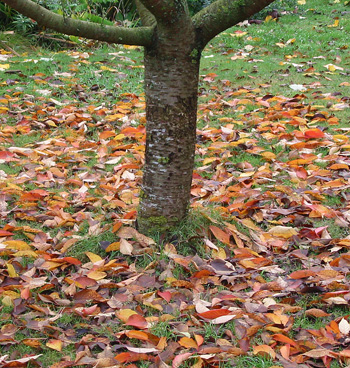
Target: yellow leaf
pixel 107 68
pixel 335 24
pixel 280 44
pixel 264 350
pixel 11 294
pixel 54 344
pixel 238 34
pixel 26 253
pixel 209 160
pixel 130 47
pixel 93 257
pixel 113 246
pixel 268 155
pixel 333 68
pixel 11 270
pixel 283 231
pixel 96 275
pixel 7 301
pixel 124 314
pixel 268 18
pixel 301 2
pixel 220 253
pixel 340 138
pixel 291 40
pixel 17 245
pixel 4 66
pixel 154 306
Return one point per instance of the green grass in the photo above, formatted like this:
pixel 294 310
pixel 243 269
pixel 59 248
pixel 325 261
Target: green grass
pixel 335 231
pixel 90 244
pixel 253 362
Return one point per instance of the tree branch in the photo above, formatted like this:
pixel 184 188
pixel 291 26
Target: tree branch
pixel 129 36
pixel 223 14
pixel 147 18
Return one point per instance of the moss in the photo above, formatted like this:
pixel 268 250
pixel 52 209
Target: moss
pixel 195 55
pixel 156 224
pixel 164 160
pixel 142 194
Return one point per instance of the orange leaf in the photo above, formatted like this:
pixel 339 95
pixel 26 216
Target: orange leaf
pixel 107 134
pixel 134 334
pixel 188 343
pixel 199 339
pixel 285 339
pixel 215 313
pixel 285 351
pixel 301 274
pixel 339 167
pixel 72 260
pixel 314 133
pixel 220 235
pixel 25 293
pixel 130 357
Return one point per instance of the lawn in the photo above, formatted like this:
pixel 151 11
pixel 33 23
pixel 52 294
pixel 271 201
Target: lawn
pixel 258 276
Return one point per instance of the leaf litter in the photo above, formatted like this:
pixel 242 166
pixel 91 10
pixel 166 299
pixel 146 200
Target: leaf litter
pixel 278 174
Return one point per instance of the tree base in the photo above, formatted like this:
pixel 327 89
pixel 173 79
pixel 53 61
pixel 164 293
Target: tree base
pixel 156 224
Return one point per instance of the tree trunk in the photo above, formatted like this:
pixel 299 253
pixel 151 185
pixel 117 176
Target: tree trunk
pixel 171 82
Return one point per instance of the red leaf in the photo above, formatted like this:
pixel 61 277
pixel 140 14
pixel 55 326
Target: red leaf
pixel 137 321
pixel 89 311
pixel 7 156
pixel 166 295
pixel 179 359
pixel 5 233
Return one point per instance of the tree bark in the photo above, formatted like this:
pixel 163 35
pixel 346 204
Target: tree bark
pixel 171 83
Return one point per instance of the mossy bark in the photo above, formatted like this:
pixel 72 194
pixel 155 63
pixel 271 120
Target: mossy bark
pixel 171 82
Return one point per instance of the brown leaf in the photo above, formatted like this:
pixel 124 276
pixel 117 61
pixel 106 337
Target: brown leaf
pixel 318 313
